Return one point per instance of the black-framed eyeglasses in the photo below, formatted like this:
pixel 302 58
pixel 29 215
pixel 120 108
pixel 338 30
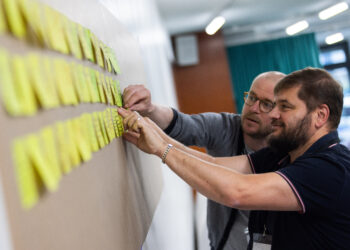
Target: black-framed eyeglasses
pixel 264 106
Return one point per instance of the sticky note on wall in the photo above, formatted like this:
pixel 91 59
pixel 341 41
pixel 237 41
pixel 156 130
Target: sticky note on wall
pixel 61 135
pixel 2 20
pixel 71 33
pixel 85 40
pixel 23 88
pixel 55 29
pixel 50 151
pixel 14 18
pixel 7 84
pixel 97 50
pixel 43 88
pixel 64 82
pixel 40 162
pixel 25 176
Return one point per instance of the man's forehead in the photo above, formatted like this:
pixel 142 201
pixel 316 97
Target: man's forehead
pixel 287 94
pixel 263 88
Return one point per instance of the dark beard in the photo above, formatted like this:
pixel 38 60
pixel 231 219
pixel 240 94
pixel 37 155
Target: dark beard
pixel 289 140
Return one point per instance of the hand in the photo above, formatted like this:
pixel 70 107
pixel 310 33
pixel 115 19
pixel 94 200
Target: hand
pixel 142 133
pixel 138 98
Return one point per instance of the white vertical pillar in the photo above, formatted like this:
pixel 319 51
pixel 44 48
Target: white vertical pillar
pixel 5 239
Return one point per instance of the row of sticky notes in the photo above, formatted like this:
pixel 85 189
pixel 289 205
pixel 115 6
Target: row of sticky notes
pixel 41 159
pixel 39 24
pixel 32 82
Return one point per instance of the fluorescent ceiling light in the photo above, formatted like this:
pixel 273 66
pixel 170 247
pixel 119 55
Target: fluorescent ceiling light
pixel 333 10
pixel 297 27
pixel 337 37
pixel 215 25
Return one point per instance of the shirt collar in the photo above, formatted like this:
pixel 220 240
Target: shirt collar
pixel 324 142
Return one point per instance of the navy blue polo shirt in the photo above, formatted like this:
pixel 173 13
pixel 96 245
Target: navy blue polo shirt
pixel 320 179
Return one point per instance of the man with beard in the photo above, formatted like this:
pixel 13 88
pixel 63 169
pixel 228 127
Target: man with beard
pixel 303 179
pixel 221 134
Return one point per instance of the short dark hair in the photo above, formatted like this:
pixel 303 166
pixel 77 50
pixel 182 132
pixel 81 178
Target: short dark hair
pixel 317 87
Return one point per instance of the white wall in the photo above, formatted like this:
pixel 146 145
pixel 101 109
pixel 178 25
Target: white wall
pixel 172 225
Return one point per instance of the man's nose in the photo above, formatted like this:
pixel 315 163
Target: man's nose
pixel 255 107
pixel 274 113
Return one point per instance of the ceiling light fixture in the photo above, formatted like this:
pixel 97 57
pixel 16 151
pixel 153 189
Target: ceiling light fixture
pixel 215 25
pixel 337 37
pixel 333 10
pixel 297 27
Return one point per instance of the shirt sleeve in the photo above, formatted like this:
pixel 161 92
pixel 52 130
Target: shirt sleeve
pixel 316 182
pixel 265 160
pixel 209 130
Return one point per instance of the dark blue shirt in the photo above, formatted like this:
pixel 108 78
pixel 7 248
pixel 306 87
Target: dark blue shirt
pixel 320 179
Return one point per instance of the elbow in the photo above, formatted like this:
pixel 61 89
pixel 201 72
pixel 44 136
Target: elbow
pixel 234 198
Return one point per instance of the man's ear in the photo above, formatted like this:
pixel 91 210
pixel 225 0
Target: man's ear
pixel 322 115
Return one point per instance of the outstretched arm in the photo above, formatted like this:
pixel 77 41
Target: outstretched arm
pixel 138 98
pixel 223 161
pixel 225 185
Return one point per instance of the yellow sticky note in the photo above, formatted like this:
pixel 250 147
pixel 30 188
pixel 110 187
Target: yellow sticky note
pixel 40 163
pixel 84 84
pixel 91 132
pixel 55 30
pixel 50 151
pixel 47 98
pixel 95 91
pixel 119 97
pixel 115 123
pixel 114 62
pixel 108 90
pixel 103 127
pixel 78 82
pixel 25 176
pixel 34 18
pixel 61 133
pixel 14 18
pixel 85 40
pixel 98 130
pixel 115 91
pixel 120 125
pixel 82 139
pixel 71 33
pixel 24 90
pixel 3 28
pixel 108 124
pixel 7 84
pixel 64 82
pixel 97 50
pixel 111 121
pixel 88 84
pixel 100 80
pixel 72 143
pixel 50 82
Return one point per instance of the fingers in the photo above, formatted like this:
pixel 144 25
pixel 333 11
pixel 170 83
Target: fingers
pixel 131 137
pixel 137 94
pixel 131 119
pixel 123 112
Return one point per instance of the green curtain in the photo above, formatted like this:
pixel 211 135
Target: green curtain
pixel 285 55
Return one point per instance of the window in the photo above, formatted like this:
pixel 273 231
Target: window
pixel 335 59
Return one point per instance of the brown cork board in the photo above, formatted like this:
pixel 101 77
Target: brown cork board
pixel 105 203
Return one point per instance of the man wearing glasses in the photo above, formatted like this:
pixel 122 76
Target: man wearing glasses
pixel 222 134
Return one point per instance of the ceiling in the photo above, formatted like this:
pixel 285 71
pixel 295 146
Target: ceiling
pixel 251 20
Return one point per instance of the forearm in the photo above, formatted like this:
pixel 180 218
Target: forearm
pixel 222 161
pixel 215 182
pixel 161 115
